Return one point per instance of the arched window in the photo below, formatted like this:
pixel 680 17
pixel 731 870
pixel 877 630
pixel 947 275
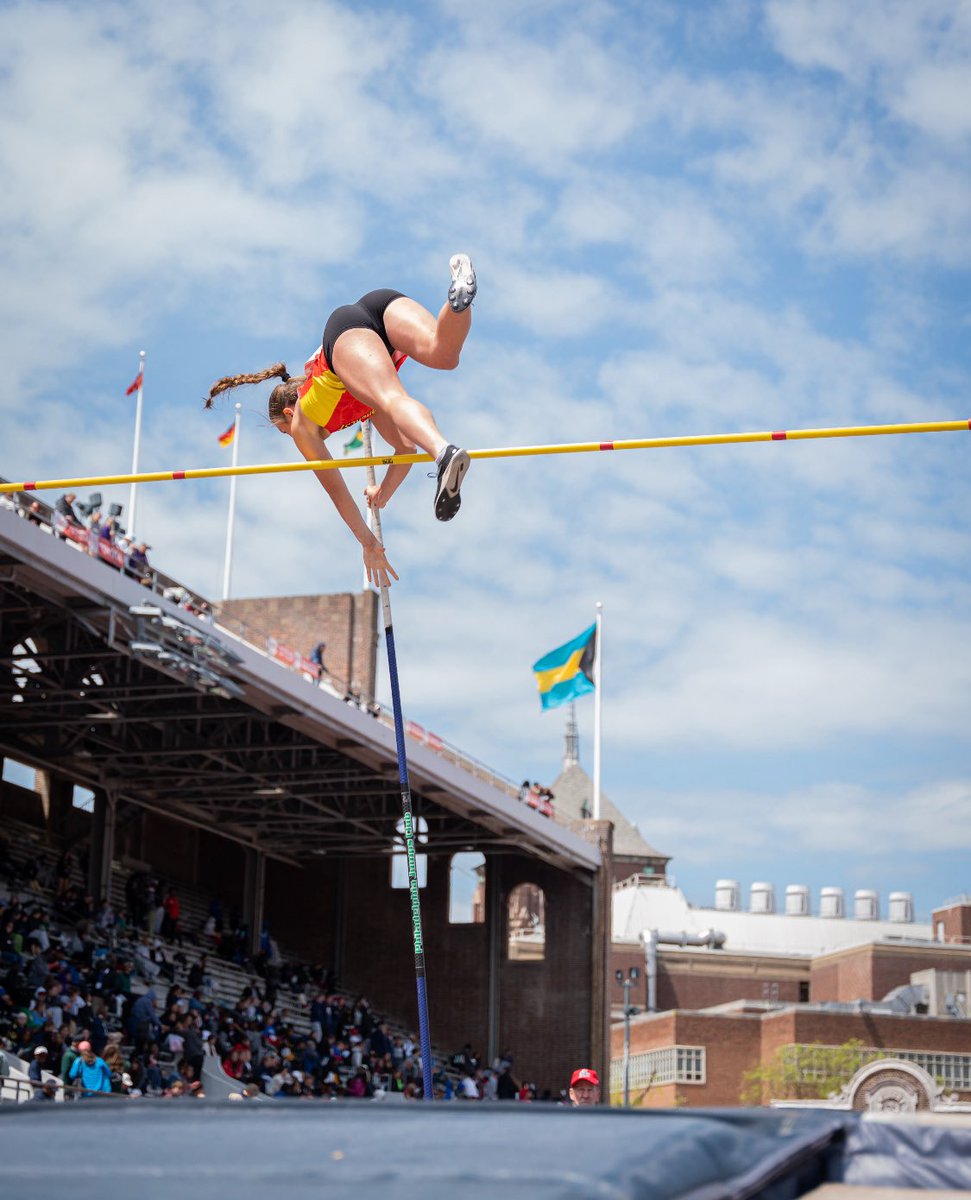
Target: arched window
pixel 399 855
pixel 466 888
pixel 526 924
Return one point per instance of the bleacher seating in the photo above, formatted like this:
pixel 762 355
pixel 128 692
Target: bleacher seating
pixel 27 844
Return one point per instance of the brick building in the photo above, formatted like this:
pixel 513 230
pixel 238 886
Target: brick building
pixel 723 1012
pixel 699 1059
pixel 346 623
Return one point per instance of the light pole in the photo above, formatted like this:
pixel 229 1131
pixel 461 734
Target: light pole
pixel 630 1010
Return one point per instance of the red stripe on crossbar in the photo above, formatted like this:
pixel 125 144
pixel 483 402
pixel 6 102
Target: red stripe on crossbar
pixel 30 487
pixel 178 474
pixel 779 435
pixel 606 445
pixel 969 423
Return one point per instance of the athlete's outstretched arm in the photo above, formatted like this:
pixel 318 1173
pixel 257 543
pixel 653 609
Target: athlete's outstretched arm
pixel 311 444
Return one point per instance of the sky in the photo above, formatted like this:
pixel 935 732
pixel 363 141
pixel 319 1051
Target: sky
pixel 696 218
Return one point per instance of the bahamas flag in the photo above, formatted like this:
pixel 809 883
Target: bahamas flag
pixel 356 442
pixel 567 672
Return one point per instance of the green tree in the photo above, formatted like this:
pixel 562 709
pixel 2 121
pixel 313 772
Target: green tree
pixel 805 1072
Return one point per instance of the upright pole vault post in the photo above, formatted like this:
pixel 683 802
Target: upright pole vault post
pixel 406 810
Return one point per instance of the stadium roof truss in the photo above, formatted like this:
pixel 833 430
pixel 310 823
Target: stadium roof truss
pixel 115 688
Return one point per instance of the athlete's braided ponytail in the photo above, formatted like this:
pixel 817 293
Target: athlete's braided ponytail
pixel 278 370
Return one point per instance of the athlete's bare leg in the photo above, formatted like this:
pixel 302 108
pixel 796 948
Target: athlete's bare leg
pixel 362 363
pixel 433 342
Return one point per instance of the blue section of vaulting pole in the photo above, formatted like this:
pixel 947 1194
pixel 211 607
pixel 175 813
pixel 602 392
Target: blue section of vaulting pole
pixel 408 817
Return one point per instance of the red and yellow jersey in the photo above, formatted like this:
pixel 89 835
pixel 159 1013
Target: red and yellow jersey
pixel 326 401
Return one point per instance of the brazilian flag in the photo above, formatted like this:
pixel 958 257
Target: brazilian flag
pixel 567 672
pixel 356 442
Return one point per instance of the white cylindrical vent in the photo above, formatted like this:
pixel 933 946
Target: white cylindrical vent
pixel 866 905
pixel 797 900
pixel 762 898
pixel 728 895
pixel 900 906
pixel 831 902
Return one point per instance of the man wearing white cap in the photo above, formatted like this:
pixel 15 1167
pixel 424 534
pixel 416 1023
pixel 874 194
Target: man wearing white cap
pixel 38 1065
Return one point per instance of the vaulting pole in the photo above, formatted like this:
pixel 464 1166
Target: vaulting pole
pixel 427 1066
pixel 660 443
pixel 231 517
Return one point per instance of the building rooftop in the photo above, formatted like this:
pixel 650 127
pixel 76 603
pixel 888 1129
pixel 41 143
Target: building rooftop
pixel 666 908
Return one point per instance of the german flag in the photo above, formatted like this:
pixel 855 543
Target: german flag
pixel 567 672
pixel 226 439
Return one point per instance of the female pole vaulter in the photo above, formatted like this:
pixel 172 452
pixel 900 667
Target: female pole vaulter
pixel 353 376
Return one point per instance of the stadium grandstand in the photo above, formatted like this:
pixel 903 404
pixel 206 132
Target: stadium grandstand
pixel 157 749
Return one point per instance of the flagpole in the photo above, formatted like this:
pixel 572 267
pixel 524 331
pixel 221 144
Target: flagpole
pixel 228 568
pixel 138 438
pixel 597 701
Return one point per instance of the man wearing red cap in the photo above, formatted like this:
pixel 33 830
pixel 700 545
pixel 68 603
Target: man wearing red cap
pixel 584 1087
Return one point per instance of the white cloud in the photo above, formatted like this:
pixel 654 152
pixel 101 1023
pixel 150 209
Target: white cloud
pixel 848 821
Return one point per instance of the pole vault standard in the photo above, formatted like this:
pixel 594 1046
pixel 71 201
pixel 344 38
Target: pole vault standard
pixel 660 443
pixel 408 816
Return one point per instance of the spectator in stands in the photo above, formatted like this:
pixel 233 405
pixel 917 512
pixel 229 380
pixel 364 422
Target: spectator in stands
pixel 170 919
pixel 144 1025
pixel 137 565
pixel 38 1064
pixel 68 1056
pixel 317 656
pixel 38 970
pixel 115 1062
pixel 506 1086
pixel 142 956
pixel 157 956
pixel 90 1072
pixel 9 942
pixel 199 977
pixel 109 530
pixel 106 914
pixel 134 897
pixel 66 866
pixel 584 1087
pixel 34 513
pixel 64 506
pixel 20 1034
pixel 238 1064
pixel 193 1046
pixel 122 982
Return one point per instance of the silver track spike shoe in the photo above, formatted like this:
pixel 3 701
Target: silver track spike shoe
pixel 463 287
